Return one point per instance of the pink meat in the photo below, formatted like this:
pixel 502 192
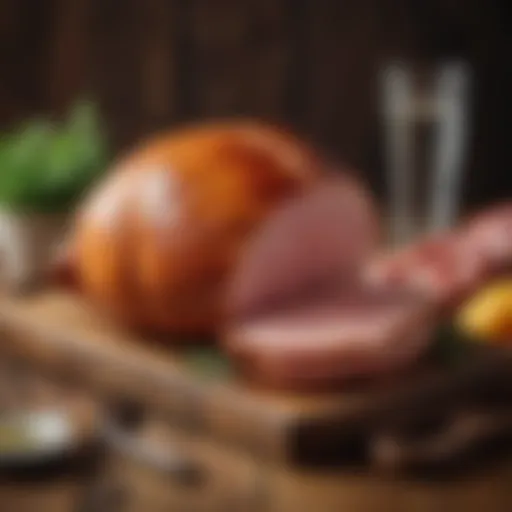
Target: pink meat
pixel 490 235
pixel 299 317
pixel 449 267
pixel 321 237
pixel 322 343
pixel 441 267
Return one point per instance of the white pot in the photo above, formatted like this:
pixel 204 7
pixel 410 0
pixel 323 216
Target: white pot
pixel 27 244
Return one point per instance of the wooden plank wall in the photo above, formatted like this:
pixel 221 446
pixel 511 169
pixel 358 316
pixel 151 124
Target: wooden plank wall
pixel 309 63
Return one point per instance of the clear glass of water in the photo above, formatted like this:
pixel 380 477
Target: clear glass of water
pixel 425 116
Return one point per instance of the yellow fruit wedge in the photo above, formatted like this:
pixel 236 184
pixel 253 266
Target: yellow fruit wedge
pixel 488 314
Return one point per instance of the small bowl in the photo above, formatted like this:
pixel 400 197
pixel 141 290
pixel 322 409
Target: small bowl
pixel 35 437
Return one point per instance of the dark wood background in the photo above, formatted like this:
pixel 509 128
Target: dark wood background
pixel 309 63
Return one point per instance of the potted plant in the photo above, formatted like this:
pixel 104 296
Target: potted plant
pixel 45 167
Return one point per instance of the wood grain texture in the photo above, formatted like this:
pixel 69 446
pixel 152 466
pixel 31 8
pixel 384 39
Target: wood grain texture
pixel 219 36
pixel 232 480
pixel 264 65
pixel 25 38
pixel 129 488
pixel 116 59
pixel 338 74
pixel 67 59
pixel 311 64
pixel 158 62
pixel 61 334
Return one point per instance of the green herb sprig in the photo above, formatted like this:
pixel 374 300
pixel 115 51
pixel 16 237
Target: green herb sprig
pixel 45 166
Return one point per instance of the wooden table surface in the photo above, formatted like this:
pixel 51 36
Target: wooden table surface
pixel 110 482
pixel 237 481
pixel 491 491
pixel 106 481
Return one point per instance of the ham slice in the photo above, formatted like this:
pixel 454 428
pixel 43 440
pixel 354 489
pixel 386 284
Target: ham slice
pixel 441 267
pixel 319 238
pixel 450 267
pixel 323 343
pixel 490 235
pixel 299 317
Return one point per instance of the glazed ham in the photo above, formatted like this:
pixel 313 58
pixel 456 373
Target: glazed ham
pixel 300 317
pixel 312 304
pixel 154 243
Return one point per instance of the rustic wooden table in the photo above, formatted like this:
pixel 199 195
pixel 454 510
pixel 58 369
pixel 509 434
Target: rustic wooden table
pixel 131 489
pixel 106 481
pixel 236 480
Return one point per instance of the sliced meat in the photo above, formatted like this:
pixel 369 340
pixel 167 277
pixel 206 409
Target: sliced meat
pixel 299 317
pixel 440 266
pixel 324 343
pixel 449 267
pixel 314 240
pixel 490 235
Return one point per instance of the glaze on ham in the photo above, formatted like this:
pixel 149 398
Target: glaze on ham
pixel 155 241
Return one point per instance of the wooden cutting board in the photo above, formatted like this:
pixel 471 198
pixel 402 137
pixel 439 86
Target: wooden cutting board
pixel 198 391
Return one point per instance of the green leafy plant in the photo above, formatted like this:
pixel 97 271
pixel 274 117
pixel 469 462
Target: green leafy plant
pixel 45 167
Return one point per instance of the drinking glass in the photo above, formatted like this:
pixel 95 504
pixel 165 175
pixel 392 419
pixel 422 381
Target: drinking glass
pixel 425 114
